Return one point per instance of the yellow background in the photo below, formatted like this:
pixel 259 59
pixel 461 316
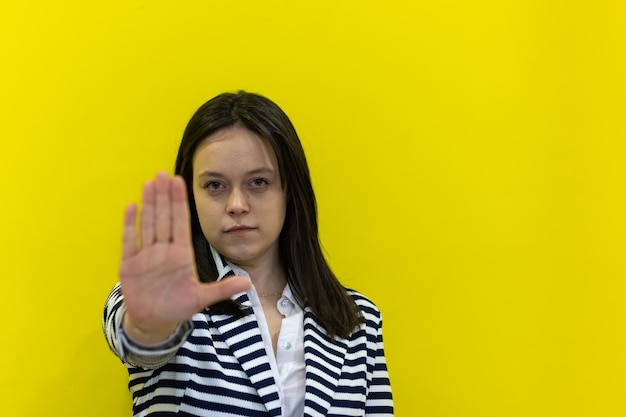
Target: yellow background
pixel 468 158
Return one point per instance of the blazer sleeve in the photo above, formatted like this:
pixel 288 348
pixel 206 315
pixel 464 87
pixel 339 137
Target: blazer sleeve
pixel 130 353
pixel 379 402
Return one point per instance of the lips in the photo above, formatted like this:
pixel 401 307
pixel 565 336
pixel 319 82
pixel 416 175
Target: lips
pixel 239 229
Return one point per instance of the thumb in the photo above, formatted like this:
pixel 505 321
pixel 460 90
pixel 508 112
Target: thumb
pixel 224 289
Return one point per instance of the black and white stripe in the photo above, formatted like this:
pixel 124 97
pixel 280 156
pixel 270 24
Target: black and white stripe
pixel 222 370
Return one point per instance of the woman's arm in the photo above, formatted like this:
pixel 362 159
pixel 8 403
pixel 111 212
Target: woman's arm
pixel 379 402
pixel 159 291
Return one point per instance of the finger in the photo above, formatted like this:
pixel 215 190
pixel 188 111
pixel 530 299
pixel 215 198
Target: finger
pixel 181 232
pixel 147 214
pixel 129 233
pixel 163 209
pixel 222 290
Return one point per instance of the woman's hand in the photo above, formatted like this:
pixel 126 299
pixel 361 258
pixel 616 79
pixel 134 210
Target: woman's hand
pixel 158 273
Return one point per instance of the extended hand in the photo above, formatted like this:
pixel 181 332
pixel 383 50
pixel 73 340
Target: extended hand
pixel 158 274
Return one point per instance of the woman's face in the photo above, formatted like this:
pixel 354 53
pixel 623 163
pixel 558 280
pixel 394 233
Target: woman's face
pixel 239 196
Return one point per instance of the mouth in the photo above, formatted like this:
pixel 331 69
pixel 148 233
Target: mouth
pixel 239 229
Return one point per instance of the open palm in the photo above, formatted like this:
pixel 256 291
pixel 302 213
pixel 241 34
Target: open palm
pixel 158 275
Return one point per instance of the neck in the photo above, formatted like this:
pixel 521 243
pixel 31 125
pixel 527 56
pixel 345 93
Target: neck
pixel 267 276
pixel 268 282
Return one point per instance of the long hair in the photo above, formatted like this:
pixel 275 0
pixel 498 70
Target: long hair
pixel 309 276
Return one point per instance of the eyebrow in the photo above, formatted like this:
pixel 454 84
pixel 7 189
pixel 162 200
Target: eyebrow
pixel 213 174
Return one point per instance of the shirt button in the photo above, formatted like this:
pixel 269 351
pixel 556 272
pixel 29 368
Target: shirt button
pixel 285 303
pixel 287 345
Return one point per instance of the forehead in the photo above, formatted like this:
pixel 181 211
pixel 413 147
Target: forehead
pixel 234 148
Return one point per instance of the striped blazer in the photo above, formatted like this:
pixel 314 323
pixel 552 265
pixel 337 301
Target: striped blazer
pixel 222 369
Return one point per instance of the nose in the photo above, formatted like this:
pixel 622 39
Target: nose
pixel 237 202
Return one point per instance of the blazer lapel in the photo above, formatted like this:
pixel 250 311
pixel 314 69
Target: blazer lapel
pixel 243 337
pixel 323 358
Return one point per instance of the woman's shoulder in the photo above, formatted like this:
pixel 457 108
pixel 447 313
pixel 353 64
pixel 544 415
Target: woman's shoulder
pixel 368 307
pixel 359 297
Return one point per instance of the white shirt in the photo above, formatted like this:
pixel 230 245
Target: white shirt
pixel 288 365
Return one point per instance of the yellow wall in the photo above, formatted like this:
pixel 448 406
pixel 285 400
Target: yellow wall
pixel 469 160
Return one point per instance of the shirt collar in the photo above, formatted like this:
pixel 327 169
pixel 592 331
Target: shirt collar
pixel 226 269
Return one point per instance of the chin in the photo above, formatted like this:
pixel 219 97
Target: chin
pixel 240 256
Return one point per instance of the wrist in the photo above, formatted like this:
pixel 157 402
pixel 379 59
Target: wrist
pixel 144 336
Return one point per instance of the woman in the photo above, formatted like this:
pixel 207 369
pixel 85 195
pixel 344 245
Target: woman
pixel 227 306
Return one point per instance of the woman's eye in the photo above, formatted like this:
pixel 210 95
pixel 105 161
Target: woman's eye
pixel 212 185
pixel 259 182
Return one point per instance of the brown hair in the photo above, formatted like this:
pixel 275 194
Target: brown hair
pixel 309 275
